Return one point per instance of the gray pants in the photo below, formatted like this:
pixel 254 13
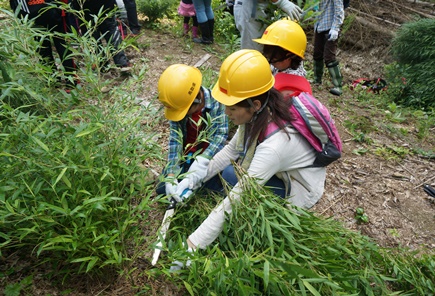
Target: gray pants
pixel 247 25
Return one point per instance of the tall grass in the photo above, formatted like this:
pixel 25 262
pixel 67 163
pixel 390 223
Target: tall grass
pixel 74 192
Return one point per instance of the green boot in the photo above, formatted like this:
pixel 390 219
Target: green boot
pixel 337 78
pixel 318 71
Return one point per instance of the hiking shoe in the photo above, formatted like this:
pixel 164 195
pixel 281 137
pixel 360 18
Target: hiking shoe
pixel 202 41
pixel 127 67
pixel 134 33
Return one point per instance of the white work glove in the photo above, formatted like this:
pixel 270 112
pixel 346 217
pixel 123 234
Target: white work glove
pixel 171 186
pixel 333 35
pixel 229 2
pixel 196 174
pixel 183 195
pixel 177 264
pixel 291 9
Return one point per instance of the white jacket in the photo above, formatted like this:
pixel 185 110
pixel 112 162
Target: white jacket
pixel 277 155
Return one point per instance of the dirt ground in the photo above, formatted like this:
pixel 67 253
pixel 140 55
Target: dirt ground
pixel 390 192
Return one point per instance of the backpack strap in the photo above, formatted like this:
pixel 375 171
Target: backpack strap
pixel 271 129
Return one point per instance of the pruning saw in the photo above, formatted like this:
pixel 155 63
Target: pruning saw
pixel 166 222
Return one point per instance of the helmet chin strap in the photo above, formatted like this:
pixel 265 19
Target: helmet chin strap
pixel 259 110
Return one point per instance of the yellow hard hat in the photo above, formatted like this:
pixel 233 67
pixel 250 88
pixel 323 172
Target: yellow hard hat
pixel 244 74
pixel 178 87
pixel 286 34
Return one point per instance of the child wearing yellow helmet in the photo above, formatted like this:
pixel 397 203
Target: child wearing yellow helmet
pixel 189 107
pixel 284 44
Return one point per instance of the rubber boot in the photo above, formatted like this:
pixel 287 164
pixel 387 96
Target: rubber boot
pixel 194 32
pixel 205 34
pixel 318 71
pixel 337 78
pixel 211 28
pixel 186 29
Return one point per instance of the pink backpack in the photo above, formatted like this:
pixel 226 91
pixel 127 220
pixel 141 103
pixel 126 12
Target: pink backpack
pixel 313 121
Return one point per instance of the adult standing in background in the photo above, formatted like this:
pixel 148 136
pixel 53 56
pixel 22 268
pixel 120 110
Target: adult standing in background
pixel 107 28
pixel 53 19
pixel 326 33
pixel 133 21
pixel 205 17
pixel 247 13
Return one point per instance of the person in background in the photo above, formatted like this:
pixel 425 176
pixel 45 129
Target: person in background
pixel 55 20
pixel 205 16
pixel 326 33
pixel 281 160
pixel 187 107
pixel 248 13
pixel 187 11
pixel 133 21
pixel 229 6
pixel 284 43
pixel 107 28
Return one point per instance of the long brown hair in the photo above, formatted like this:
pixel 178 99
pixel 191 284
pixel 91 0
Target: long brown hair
pixel 274 107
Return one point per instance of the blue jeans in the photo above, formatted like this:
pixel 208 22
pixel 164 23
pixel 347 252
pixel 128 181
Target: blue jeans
pixel 228 174
pixel 203 9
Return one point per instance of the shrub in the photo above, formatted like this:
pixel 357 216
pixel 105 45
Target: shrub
pixel 154 10
pixel 412 76
pixel 73 188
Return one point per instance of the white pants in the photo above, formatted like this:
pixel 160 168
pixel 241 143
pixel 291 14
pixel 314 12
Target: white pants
pixel 247 25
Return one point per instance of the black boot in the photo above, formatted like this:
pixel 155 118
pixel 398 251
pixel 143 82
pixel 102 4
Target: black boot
pixel 205 34
pixel 211 28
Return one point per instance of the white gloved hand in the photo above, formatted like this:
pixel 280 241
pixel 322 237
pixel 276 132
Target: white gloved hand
pixel 171 186
pixel 333 35
pixel 291 9
pixel 197 172
pixel 177 264
pixel 229 2
pixel 183 192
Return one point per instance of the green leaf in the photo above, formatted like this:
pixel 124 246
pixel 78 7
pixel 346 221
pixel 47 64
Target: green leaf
pixel 266 274
pixel 60 176
pixel 39 142
pixel 90 130
pixel 310 288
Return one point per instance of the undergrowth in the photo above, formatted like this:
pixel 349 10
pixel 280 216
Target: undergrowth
pixel 267 248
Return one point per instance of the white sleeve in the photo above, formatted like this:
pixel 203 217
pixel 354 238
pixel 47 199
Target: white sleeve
pixel 212 226
pixel 222 159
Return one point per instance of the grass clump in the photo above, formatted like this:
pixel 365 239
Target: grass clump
pixel 74 192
